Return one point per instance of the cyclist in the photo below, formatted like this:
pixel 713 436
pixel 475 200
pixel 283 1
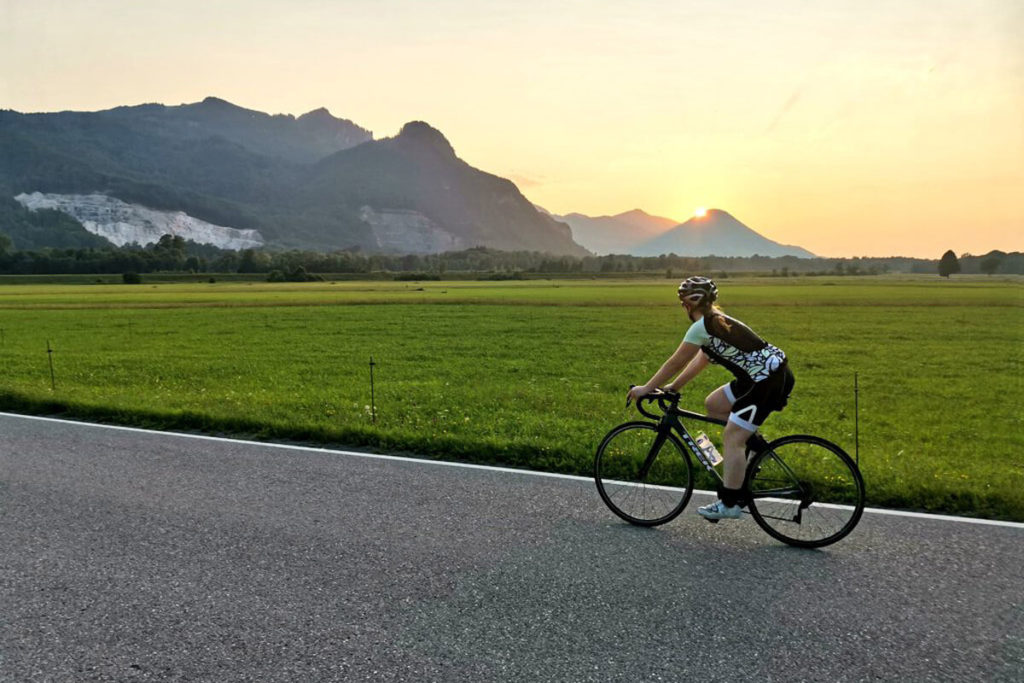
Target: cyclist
pixel 762 384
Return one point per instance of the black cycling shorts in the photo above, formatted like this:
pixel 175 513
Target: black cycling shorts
pixel 753 401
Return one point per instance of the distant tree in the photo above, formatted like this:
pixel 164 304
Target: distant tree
pixel 131 278
pixel 253 261
pixel 227 263
pixel 990 264
pixel 949 264
pixel 170 242
pixel 300 275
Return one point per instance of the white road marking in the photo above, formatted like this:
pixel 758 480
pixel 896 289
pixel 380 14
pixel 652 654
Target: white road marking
pixel 446 463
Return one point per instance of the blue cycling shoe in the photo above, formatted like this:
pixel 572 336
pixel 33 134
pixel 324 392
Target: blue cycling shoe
pixel 719 510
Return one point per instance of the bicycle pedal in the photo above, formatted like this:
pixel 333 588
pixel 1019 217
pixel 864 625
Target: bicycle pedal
pixel 711 521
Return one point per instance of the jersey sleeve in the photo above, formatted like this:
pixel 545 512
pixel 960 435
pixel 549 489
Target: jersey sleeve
pixel 697 334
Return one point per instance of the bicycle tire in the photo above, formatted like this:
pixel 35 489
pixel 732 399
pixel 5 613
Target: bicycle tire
pixel 658 495
pixel 805 491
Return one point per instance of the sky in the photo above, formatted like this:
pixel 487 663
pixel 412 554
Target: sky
pixel 850 128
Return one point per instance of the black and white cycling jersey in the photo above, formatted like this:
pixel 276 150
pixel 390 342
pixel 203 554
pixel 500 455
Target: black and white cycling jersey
pixel 735 346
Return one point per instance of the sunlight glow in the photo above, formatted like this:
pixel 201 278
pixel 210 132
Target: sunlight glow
pixel 700 212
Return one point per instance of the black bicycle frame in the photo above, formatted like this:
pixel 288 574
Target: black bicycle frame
pixel 669 421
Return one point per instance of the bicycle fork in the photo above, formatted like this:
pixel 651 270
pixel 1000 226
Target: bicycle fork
pixel 652 453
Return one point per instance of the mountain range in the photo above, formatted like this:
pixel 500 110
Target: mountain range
pixel 312 182
pixel 716 233
pixel 220 174
pixel 617 234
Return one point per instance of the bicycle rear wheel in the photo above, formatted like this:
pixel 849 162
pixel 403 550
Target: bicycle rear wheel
pixel 643 476
pixel 805 491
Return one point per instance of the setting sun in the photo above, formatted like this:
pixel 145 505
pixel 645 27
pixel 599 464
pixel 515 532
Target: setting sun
pixel 700 212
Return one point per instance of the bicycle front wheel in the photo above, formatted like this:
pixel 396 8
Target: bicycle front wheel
pixel 805 491
pixel 643 474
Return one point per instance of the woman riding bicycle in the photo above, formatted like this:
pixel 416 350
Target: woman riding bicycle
pixel 762 384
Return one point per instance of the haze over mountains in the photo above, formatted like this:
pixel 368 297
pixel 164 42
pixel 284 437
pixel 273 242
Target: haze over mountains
pixel 616 234
pixel 638 233
pixel 717 233
pixel 236 178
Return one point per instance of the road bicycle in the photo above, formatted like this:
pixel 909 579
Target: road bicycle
pixel 802 490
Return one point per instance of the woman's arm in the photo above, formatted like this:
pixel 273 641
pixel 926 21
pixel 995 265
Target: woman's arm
pixel 692 369
pixel 676 362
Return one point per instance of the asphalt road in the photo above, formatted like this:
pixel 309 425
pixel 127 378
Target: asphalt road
pixel 127 555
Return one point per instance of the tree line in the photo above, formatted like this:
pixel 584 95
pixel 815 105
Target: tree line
pixel 174 254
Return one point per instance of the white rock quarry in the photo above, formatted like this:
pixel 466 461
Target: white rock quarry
pixel 124 223
pixel 408 231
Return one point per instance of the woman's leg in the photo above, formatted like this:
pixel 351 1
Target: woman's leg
pixel 719 402
pixel 734 442
pixel 734 439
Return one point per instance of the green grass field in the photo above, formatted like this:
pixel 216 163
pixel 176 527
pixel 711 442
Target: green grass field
pixel 533 373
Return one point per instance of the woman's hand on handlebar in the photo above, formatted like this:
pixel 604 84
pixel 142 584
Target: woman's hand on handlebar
pixel 635 393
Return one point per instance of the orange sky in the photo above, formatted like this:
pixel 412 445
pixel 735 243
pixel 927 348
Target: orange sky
pixel 849 128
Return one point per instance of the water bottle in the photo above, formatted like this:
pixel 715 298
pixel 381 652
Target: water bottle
pixel 708 448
